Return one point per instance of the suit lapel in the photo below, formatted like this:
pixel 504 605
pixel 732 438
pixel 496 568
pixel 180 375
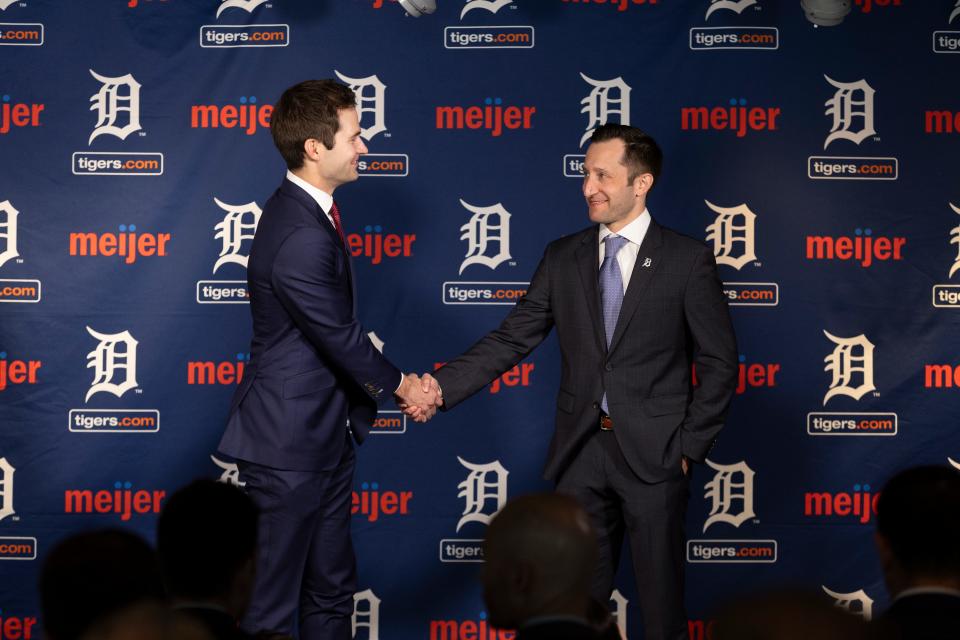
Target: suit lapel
pixel 648 259
pixel 307 201
pixel 588 260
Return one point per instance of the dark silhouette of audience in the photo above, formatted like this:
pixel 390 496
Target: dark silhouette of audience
pixel 540 553
pixel 206 540
pixel 918 541
pixel 95 584
pixel 787 614
pixel 539 557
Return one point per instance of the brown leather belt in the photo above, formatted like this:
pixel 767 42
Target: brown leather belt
pixel 606 422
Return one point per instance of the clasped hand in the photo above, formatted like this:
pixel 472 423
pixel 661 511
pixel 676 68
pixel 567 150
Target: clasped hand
pixel 419 397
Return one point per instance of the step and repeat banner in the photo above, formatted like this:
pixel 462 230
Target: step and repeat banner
pixel 821 164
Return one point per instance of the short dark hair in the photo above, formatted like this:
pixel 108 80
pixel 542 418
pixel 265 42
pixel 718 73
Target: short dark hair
pixel 641 152
pixel 310 109
pixel 918 513
pixel 205 534
pixel 89 576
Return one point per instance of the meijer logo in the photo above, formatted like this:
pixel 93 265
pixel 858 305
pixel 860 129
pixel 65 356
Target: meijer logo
pixel 371 502
pixel 619 5
pixel 492 116
pixel 736 117
pixel 247 116
pixel 476 629
pixel 18 627
pixel 866 6
pixel 750 375
pixel 862 247
pixel 128 244
pixel 226 372
pixel 17 371
pixel 934 121
pixel 19 115
pixel 376 245
pixel 860 504
pixel 122 500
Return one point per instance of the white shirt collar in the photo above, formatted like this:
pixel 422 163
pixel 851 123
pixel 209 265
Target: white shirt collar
pixel 324 199
pixel 634 232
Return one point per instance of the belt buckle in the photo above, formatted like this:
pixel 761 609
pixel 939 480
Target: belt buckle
pixel 606 423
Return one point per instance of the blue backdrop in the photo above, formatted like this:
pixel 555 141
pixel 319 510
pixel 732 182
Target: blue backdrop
pixel 820 163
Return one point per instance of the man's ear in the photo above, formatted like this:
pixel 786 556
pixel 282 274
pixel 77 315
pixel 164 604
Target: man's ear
pixel 642 184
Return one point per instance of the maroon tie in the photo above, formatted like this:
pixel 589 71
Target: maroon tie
pixel 335 214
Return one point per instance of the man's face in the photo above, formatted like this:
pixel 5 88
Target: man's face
pixel 339 165
pixel 610 197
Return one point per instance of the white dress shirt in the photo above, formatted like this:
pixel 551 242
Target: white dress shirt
pixel 627 256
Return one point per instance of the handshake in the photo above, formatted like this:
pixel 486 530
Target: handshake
pixel 419 397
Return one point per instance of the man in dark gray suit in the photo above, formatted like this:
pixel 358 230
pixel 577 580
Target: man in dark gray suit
pixel 635 305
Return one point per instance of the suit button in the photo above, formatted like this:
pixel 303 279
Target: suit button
pixel 608 367
pixel 596 405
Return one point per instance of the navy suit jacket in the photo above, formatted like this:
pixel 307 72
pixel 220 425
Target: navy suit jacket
pixel 674 314
pixel 311 364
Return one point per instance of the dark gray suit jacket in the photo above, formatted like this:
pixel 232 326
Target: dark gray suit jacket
pixel 674 314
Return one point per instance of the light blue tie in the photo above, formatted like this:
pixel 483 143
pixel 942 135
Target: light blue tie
pixel 611 291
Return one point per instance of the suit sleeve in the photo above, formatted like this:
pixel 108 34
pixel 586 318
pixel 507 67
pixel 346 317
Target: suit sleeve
pixel 715 357
pixel 525 327
pixel 310 282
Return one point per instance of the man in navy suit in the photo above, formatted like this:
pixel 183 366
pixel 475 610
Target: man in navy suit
pixel 314 380
pixel 635 305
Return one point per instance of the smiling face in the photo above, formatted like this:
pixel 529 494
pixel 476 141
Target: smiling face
pixel 338 165
pixel 612 199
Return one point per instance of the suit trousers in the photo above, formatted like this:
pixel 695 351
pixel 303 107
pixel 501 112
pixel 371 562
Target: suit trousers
pixel 305 555
pixel 651 515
